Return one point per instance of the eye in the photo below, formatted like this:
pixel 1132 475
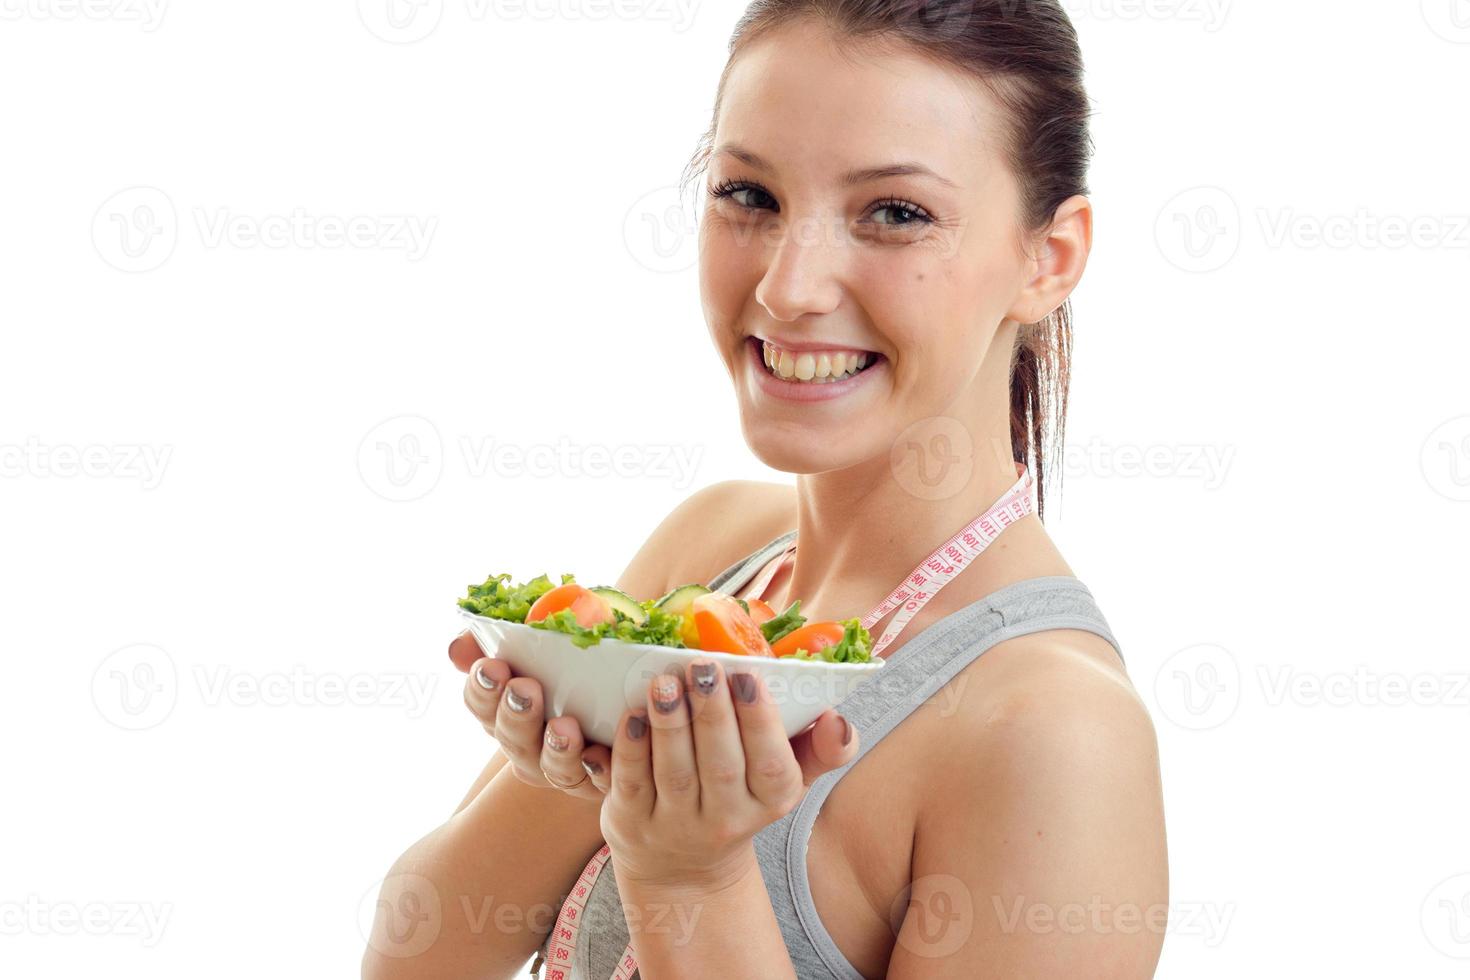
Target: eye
pixel 903 212
pixel 753 194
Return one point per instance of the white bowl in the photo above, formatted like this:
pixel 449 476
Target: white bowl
pixel 597 684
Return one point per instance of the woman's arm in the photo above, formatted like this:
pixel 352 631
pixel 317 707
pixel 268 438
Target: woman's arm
pixel 478 895
pixel 1043 855
pixel 679 931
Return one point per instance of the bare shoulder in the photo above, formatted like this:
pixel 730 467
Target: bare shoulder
pixel 1049 797
pixel 712 528
pixel 1057 693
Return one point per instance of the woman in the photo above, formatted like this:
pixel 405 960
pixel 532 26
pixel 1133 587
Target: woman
pixel 895 199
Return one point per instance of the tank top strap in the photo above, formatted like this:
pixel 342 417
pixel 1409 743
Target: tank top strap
pixel 918 672
pixel 736 575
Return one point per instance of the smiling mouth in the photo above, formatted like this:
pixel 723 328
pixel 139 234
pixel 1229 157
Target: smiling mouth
pixel 814 367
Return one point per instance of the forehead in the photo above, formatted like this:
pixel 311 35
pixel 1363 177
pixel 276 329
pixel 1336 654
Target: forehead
pixel 812 108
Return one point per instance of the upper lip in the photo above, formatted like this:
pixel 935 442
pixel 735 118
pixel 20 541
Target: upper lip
pixel 791 344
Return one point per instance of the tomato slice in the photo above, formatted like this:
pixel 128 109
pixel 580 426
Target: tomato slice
pixel 811 638
pixel 588 608
pixel 760 611
pixel 726 628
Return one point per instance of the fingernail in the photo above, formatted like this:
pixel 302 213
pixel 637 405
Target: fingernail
pixel 556 740
pixel 488 683
pixel 743 685
pixel 518 703
pixel 592 768
pixel 704 677
pixel 846 731
pixel 637 725
pixel 665 694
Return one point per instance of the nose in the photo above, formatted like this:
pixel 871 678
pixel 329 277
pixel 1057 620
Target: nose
pixel 802 277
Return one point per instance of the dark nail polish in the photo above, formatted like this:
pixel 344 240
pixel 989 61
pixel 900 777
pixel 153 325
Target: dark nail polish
pixel 518 703
pixel 744 687
pixel 846 731
pixel 637 725
pixel 704 678
pixel 593 768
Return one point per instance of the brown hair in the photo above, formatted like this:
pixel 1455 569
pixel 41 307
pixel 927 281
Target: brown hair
pixel 1026 53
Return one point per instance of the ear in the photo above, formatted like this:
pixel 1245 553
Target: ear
pixel 1056 262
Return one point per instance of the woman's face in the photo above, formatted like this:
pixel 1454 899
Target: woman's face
pixel 917 270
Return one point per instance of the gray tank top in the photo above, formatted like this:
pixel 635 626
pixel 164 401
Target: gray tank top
pixel 916 670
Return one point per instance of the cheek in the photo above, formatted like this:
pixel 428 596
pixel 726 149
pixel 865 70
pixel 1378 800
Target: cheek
pixel 727 272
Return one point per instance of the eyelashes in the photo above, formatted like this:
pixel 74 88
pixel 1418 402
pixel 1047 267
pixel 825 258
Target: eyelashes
pixel 729 188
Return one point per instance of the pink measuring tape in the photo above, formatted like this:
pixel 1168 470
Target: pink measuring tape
pixel 921 585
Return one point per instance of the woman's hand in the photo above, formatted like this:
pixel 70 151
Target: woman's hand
pixel 545 754
pixel 693 780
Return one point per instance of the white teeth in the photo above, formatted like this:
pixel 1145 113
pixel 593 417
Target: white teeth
pixel 822 367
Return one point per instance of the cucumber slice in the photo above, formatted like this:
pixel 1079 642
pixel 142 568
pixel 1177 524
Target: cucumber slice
pixel 677 602
pixel 622 602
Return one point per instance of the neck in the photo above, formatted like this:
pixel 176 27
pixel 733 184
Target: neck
pixel 863 529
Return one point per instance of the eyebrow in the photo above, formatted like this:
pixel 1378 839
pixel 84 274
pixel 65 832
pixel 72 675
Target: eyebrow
pixel 852 177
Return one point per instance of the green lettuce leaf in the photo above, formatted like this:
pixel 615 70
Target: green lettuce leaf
pixel 496 600
pixel 783 623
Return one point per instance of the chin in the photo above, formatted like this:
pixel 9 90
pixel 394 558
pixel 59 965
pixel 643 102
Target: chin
pixel 811 449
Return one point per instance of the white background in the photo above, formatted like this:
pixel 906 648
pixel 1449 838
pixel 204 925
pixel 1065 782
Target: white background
pixel 1286 572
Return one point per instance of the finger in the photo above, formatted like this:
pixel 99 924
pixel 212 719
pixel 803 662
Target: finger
pixel 483 689
pixel 675 773
pixel 597 761
pixel 464 650
pixel 830 743
pixel 717 747
pixel 519 723
pixel 561 758
pixel 632 766
pixel 771 771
